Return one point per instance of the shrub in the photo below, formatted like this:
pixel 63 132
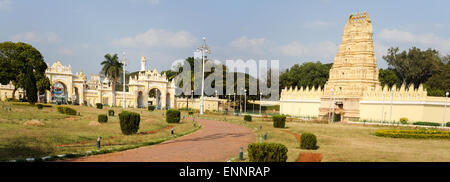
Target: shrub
pixel 129 122
pixel 308 141
pixel 102 118
pixel 173 116
pixel 420 133
pixel 40 106
pixel 190 112
pixel 110 112
pixel 279 121
pixel 447 124
pixel 99 105
pixel 69 102
pixel 66 110
pixel 427 123
pixel 267 152
pixel 404 120
pixel 60 109
pixel 70 111
pixel 151 108
pixel 248 118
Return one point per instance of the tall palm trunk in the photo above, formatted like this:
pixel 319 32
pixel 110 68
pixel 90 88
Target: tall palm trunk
pixel 113 87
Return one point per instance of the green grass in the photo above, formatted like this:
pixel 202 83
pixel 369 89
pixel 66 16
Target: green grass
pixel 73 134
pixel 347 143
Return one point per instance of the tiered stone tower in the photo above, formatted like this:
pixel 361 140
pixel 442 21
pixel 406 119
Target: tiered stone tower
pixel 354 70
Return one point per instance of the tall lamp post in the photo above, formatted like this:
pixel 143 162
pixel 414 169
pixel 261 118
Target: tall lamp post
pixel 445 108
pixel 260 99
pixel 204 49
pixel 245 100
pixel 124 62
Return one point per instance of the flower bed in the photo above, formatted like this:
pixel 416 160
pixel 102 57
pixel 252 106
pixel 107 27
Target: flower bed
pixel 421 133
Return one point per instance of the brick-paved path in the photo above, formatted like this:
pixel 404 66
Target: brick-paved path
pixel 215 141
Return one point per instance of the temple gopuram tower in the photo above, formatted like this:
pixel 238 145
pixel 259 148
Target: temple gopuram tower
pixel 354 70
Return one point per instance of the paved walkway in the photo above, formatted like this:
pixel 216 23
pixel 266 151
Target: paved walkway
pixel 215 141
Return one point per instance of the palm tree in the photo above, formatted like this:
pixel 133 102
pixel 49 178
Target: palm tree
pixel 112 69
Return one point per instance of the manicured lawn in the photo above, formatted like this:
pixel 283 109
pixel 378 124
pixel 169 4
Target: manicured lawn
pixel 354 143
pixel 67 134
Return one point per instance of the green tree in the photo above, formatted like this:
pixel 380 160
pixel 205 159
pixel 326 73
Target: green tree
pixel 28 68
pixel 309 74
pixel 413 66
pixel 439 83
pixel 112 69
pixel 388 77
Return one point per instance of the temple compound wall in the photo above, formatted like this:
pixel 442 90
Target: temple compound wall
pixel 353 91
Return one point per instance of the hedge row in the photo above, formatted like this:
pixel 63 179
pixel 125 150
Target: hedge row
pixel 66 110
pixel 267 152
pixel 426 123
pixel 421 133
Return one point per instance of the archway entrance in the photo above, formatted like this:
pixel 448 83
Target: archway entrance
pixel 140 100
pixel 154 96
pixel 59 93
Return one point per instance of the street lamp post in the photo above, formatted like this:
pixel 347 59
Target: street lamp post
pixel 392 100
pixel 204 49
pixel 445 108
pixel 260 99
pixel 240 103
pixel 124 62
pixel 245 100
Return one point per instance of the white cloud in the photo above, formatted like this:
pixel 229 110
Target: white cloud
pixel 65 51
pixel 254 45
pixel 157 37
pixel 319 24
pixel 4 4
pixel 48 37
pixel 429 40
pixel 154 1
pixel 325 49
